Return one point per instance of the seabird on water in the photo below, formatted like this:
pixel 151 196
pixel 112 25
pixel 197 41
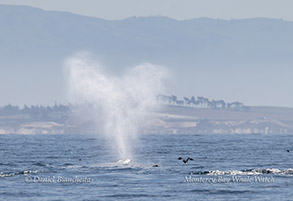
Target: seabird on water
pixel 185 160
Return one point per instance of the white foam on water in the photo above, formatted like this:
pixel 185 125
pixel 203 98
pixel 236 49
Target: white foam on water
pixel 124 161
pixel 252 172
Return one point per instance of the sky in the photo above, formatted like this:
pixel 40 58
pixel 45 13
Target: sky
pixel 177 9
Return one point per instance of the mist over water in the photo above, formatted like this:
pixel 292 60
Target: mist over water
pixel 120 104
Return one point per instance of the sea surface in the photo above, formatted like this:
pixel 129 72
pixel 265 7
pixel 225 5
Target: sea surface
pixel 83 167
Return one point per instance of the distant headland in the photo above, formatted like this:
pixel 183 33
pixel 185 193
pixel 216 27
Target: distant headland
pixel 188 116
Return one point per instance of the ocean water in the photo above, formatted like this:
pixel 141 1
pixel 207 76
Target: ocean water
pixel 82 167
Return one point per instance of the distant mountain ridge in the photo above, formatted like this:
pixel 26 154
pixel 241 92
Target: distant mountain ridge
pixel 202 53
pixel 26 29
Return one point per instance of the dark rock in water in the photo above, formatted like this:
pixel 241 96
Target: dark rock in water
pixel 288 150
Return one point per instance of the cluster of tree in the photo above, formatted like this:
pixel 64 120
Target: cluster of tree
pixel 33 110
pixel 201 102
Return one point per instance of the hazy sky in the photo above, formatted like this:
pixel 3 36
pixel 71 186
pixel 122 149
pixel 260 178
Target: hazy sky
pixel 178 9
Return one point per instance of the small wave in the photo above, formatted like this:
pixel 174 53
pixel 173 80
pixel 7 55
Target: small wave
pixel 8 164
pixel 6 174
pixel 220 191
pixel 131 195
pixel 68 164
pixel 40 164
pixel 10 174
pixel 247 172
pixel 122 163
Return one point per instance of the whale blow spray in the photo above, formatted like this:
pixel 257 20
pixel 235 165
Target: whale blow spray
pixel 121 104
